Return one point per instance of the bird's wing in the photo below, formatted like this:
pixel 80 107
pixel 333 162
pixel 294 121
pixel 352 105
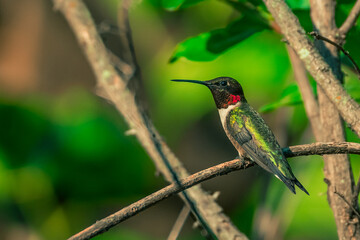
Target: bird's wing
pixel 256 138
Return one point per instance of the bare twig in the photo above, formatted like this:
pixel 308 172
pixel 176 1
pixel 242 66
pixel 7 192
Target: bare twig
pixel 350 20
pixel 347 202
pixel 307 94
pixel 320 148
pixel 356 192
pixel 314 63
pixel 135 84
pixel 218 170
pixel 317 36
pixel 124 99
pixel 179 223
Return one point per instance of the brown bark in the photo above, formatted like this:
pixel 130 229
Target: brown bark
pixel 337 168
pixel 314 62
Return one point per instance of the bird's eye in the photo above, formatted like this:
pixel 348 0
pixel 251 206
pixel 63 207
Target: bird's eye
pixel 223 83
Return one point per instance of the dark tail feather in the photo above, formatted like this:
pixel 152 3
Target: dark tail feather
pixel 300 186
pixel 289 183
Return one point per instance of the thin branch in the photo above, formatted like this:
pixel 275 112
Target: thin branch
pixel 136 85
pixel 356 192
pixel 350 20
pixel 320 148
pixel 179 223
pixel 347 202
pixel 317 36
pixel 139 206
pixel 307 94
pixel 125 100
pixel 314 63
pixel 221 169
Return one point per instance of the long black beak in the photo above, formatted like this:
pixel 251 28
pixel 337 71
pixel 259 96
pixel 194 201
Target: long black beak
pixel 191 81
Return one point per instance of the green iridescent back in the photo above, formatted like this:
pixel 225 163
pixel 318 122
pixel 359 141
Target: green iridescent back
pixel 244 121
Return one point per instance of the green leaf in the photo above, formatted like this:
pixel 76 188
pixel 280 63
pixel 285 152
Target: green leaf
pixel 194 49
pixel 298 4
pixel 208 46
pixel 173 5
pixel 352 85
pixel 289 97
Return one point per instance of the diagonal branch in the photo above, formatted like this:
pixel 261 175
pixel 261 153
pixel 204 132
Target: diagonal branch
pixel 124 99
pixel 350 20
pixel 317 36
pixel 221 169
pixel 314 63
pixel 307 94
pixel 179 223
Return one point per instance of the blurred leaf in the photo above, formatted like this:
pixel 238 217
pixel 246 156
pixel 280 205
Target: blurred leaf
pixel 173 5
pixel 298 4
pixel 208 46
pixel 352 85
pixel 290 96
pixel 194 49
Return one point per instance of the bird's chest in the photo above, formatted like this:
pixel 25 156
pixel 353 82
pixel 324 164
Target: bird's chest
pixel 224 113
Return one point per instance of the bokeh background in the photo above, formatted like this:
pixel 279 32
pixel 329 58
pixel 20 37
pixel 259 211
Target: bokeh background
pixel 66 162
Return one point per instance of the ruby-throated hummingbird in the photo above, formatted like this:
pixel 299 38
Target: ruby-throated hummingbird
pixel 247 130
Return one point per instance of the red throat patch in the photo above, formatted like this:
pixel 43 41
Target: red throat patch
pixel 234 99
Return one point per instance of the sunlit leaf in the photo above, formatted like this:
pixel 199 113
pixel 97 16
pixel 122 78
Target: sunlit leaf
pixel 208 46
pixel 352 86
pixel 290 96
pixel 298 4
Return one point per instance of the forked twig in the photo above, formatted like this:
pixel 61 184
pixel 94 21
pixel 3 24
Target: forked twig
pixel 317 36
pixel 347 202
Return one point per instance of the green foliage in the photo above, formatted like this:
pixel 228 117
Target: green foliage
pixel 298 4
pixel 290 96
pixel 208 46
pixel 67 149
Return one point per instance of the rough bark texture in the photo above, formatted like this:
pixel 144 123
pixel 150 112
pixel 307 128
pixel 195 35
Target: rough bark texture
pixel 314 63
pixel 337 168
pixel 310 103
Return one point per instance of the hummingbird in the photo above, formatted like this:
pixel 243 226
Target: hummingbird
pixel 247 130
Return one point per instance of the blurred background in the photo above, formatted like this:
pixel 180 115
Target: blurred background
pixel 66 162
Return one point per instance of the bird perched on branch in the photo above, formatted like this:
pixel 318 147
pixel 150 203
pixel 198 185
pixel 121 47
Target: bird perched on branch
pixel 247 130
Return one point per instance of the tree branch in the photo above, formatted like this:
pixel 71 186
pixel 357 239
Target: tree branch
pixel 317 36
pixel 124 99
pixel 221 169
pixel 350 20
pixel 179 223
pixel 337 169
pixel 307 95
pixel 314 63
